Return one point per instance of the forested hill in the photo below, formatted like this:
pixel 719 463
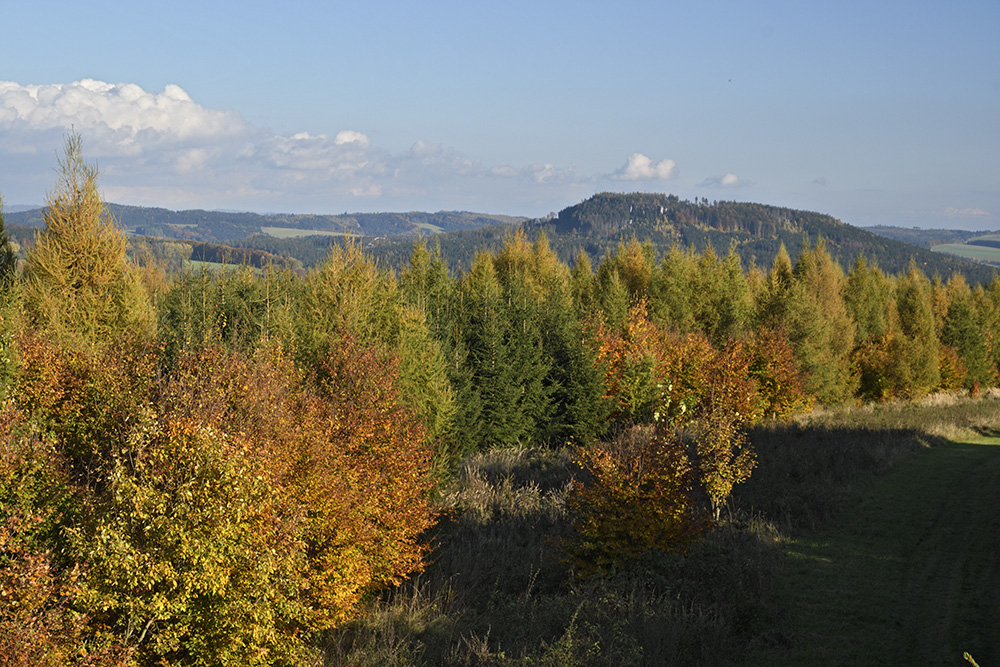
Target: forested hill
pixel 229 226
pixel 755 231
pixel 597 225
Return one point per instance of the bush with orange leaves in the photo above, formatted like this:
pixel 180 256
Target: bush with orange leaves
pixel 660 490
pixel 224 510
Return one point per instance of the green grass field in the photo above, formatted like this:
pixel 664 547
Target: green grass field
pixel 291 232
pixel 907 575
pixel 973 252
pixel 433 229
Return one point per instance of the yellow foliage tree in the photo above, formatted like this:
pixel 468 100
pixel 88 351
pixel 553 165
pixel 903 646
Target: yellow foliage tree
pixel 78 284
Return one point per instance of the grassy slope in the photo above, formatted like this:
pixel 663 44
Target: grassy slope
pixel 909 575
pixel 973 252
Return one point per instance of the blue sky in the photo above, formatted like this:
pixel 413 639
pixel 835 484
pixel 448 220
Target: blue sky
pixel 874 112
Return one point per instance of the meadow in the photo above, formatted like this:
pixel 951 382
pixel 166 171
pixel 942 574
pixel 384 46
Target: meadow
pixel 973 252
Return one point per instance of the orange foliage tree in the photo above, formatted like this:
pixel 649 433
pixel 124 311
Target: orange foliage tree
pixel 225 509
pixel 654 493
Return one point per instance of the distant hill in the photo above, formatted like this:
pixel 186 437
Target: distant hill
pixel 597 225
pixel 754 231
pixel 925 238
pixel 228 227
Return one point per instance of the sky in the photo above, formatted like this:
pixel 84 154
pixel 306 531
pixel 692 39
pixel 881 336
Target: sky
pixel 875 112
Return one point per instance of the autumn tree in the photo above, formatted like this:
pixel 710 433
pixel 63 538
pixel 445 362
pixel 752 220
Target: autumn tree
pixel 961 331
pixel 78 284
pixel 227 509
pixel 918 366
pixel 670 302
pixel 868 296
pixel 350 294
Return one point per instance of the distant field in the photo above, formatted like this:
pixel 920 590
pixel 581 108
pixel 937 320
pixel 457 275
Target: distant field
pixel 195 265
pixel 292 232
pixel 433 229
pixel 973 252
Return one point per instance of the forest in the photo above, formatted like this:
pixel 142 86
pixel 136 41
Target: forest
pixel 234 467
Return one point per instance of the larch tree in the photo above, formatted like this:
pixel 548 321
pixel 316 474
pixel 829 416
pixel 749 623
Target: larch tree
pixel 820 327
pixel 78 283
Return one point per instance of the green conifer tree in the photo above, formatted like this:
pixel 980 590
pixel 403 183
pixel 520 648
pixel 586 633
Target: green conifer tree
pixel 819 326
pixel 918 358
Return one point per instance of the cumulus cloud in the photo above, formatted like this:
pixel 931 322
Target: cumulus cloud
pixel 728 180
pixel 119 119
pixel 165 149
pixel 350 137
pixel 638 167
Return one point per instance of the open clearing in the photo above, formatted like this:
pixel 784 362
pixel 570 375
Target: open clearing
pixel 976 253
pixel 294 232
pixel 908 576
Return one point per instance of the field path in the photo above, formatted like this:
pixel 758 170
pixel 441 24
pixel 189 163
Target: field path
pixel 909 576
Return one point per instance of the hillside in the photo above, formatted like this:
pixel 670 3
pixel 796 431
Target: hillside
pixel 597 225
pixel 228 227
pixel 754 231
pixel 925 238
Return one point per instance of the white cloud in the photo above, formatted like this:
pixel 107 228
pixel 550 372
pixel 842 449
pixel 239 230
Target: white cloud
pixel 966 213
pixel 350 137
pixel 638 167
pixel 728 180
pixel 118 119
pixel 164 149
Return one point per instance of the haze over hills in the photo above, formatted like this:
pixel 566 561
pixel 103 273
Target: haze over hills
pixel 596 225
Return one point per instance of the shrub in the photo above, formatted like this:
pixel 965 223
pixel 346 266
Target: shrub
pixel 226 508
